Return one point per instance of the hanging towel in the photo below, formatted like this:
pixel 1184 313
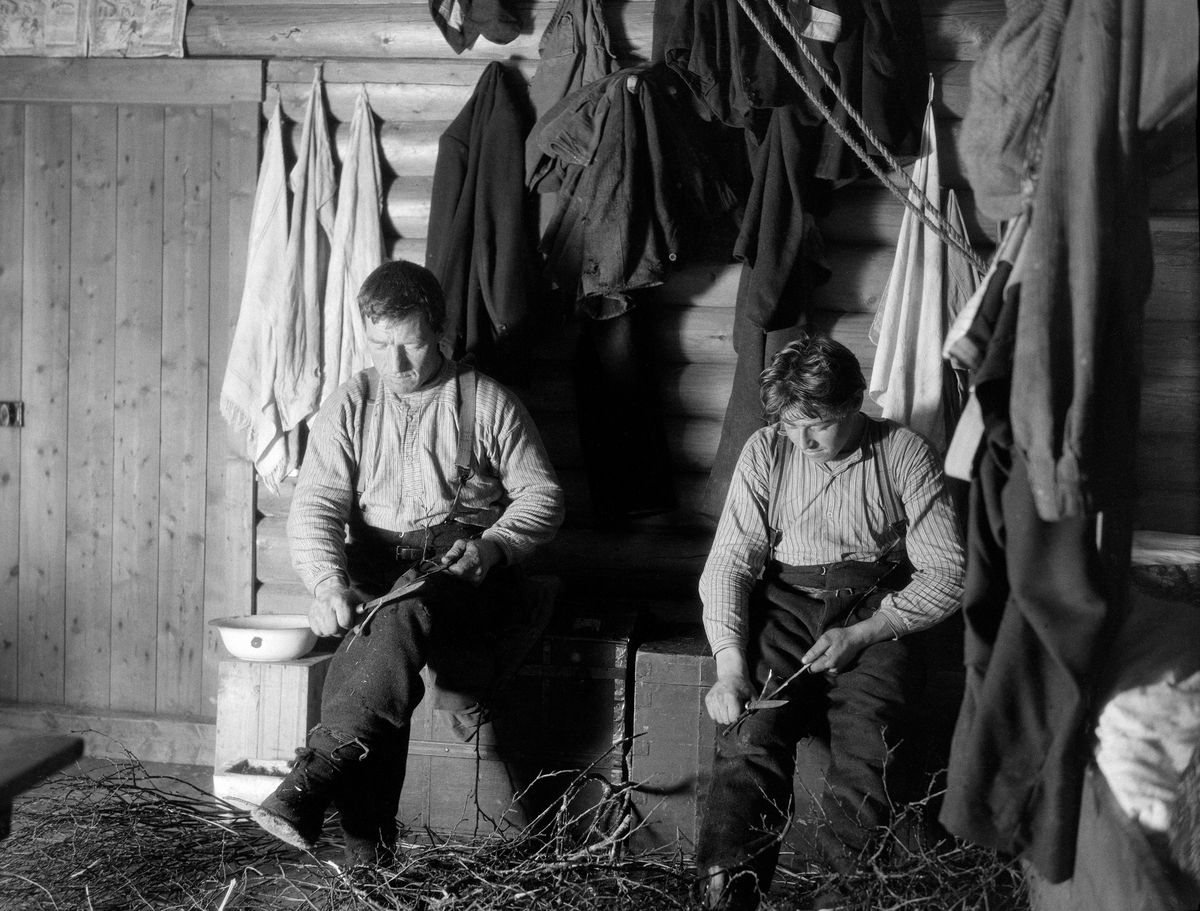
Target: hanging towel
pixel 928 285
pixel 248 391
pixel 314 188
pixel 357 251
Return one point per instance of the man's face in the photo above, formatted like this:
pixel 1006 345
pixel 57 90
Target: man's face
pixel 820 439
pixel 405 351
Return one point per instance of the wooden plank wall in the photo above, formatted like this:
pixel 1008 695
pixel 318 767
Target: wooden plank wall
pixel 119 293
pixel 417 86
pixel 12 199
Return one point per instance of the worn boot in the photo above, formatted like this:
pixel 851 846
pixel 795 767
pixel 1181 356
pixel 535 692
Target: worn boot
pixel 725 890
pixel 295 810
pixel 367 804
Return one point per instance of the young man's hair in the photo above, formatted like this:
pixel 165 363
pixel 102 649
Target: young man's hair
pixel 397 289
pixel 813 377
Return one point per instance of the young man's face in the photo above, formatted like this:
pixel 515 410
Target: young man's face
pixel 820 439
pixel 405 351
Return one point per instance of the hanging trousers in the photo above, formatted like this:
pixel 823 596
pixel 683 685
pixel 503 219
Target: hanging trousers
pixel 1038 612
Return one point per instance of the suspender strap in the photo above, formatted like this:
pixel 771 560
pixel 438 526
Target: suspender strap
pixel 893 508
pixel 368 415
pixel 466 382
pixel 777 453
pixel 467 387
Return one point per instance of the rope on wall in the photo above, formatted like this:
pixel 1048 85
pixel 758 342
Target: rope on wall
pixel 923 208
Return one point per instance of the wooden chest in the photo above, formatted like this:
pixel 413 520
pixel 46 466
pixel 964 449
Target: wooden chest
pixel 673 743
pixel 264 712
pixel 567 709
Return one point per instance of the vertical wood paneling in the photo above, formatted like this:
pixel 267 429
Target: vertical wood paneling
pixel 46 325
pixel 136 416
pixel 240 580
pixel 219 337
pixel 186 276
pixel 230 146
pixel 89 404
pixel 12 205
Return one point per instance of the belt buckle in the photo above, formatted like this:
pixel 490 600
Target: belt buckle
pixel 405 554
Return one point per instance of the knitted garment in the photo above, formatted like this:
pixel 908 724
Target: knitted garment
pixel 1000 129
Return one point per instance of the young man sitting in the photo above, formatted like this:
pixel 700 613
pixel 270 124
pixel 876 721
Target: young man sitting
pixel 837 539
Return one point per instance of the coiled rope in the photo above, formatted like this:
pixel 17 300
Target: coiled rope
pixel 940 226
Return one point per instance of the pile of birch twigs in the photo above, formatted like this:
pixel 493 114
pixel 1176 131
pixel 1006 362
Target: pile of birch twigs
pixel 118 838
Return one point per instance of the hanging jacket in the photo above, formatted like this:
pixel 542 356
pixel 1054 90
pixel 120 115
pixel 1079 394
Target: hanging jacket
pixel 873 49
pixel 1042 596
pixel 1077 362
pixel 480 244
pixel 575 51
pixel 783 262
pixel 631 186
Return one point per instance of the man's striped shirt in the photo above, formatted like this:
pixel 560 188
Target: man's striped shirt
pixel 831 512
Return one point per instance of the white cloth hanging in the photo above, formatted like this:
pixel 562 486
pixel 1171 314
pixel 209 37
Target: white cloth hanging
pixel 928 285
pixel 314 203
pixel 357 251
pixel 248 391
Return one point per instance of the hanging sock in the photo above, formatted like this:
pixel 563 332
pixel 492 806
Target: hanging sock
pixel 357 249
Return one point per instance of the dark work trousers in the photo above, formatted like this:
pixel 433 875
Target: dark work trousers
pixel 464 633
pixel 1036 620
pixel 621 425
pixel 863 711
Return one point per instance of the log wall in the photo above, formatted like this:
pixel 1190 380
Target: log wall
pixel 416 99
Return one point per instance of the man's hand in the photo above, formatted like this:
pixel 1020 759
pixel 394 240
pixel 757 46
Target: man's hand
pixel 333 609
pixel 728 697
pixel 837 647
pixel 470 560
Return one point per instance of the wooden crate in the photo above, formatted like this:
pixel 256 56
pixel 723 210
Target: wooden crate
pixel 566 710
pixel 672 751
pixel 265 708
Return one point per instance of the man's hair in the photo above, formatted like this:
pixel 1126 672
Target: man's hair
pixel 397 289
pixel 815 377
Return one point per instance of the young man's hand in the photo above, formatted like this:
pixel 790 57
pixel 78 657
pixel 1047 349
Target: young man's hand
pixel 471 560
pixel 837 647
pixel 727 698
pixel 334 608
